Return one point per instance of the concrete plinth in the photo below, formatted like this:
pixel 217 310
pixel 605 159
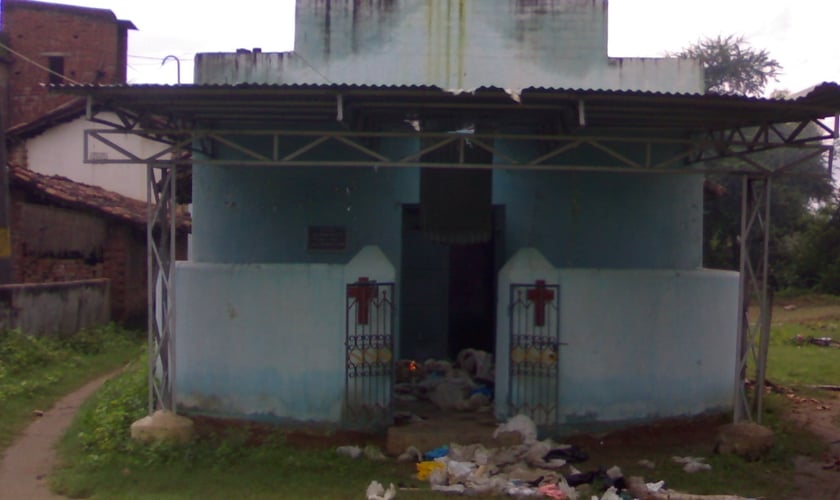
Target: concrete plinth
pixel 745 439
pixel 162 425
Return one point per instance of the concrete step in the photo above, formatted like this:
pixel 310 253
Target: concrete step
pixel 461 428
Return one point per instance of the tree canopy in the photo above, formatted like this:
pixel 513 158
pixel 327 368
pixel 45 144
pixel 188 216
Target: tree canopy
pixel 732 66
pixel 804 208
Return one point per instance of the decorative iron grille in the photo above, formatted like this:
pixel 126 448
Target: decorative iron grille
pixel 534 312
pixel 369 345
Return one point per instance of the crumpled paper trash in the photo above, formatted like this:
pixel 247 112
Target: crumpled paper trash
pixel 376 491
pixel 349 451
pixel 373 453
pixel 521 424
pixel 692 464
pixel 479 364
pixel 610 494
pixel 655 487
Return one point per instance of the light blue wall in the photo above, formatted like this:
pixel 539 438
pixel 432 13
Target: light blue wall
pixel 261 341
pixel 266 341
pixel 260 215
pixel 604 220
pixel 639 343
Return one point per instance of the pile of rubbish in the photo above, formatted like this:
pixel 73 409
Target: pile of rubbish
pixel 466 385
pixel 539 469
pixel 817 341
pixel 532 469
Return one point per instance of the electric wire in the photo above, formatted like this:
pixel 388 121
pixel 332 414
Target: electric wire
pixel 39 65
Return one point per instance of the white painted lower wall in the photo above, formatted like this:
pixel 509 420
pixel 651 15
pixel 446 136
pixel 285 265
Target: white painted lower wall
pixel 266 341
pixel 639 344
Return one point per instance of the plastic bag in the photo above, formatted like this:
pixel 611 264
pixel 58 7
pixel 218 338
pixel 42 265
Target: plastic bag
pixel 376 491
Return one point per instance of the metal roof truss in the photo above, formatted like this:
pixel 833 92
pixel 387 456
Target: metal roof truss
pixel 692 155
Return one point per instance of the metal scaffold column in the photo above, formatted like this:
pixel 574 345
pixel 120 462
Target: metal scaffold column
pixel 160 244
pixel 754 327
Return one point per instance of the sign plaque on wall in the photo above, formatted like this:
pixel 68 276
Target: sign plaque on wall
pixel 326 238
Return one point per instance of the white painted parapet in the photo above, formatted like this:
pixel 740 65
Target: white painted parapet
pixel 266 341
pixel 636 343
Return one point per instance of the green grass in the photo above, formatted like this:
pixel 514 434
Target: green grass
pixel 792 363
pixel 768 477
pixel 103 462
pixel 36 372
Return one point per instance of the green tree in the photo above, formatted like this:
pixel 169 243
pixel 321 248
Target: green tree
pixel 816 250
pixel 731 66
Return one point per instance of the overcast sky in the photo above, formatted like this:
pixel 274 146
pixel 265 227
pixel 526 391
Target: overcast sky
pixel 799 34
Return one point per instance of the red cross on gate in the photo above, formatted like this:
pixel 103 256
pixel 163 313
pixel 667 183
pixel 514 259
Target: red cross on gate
pixel 540 296
pixel 364 291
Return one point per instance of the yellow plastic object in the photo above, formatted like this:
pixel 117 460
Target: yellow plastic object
pixel 425 469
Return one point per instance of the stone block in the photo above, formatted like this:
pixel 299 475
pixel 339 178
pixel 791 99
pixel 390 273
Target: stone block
pixel 745 439
pixel 162 425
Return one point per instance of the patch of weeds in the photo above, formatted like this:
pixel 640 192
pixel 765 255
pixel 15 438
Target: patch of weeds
pixel 36 371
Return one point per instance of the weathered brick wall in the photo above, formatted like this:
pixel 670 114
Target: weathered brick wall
pixel 118 253
pixel 125 266
pixel 91 41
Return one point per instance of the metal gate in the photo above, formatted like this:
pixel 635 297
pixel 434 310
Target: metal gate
pixel 369 346
pixel 534 312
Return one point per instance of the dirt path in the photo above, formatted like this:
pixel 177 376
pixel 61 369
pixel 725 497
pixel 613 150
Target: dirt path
pixel 27 462
pixel 813 480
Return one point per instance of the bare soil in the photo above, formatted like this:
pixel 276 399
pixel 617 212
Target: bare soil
pixel 819 478
pixel 27 462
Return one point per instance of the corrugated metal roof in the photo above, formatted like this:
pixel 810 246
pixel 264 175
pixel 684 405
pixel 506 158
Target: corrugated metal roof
pixel 234 104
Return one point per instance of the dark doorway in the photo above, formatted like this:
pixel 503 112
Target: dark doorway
pixel 447 291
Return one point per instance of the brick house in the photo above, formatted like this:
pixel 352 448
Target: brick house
pixel 84 45
pixel 65 231
pixel 70 220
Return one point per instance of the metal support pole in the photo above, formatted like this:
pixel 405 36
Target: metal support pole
pixel 160 243
pixel 753 332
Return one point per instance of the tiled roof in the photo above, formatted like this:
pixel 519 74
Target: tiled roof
pixel 70 194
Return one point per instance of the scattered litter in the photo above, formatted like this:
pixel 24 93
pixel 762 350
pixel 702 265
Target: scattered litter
pixel 655 487
pixel 637 488
pixel 552 491
pixel 349 451
pixel 459 471
pixel 466 385
pixel 521 424
pixel 614 473
pixel 817 341
pixel 376 491
pixel 411 454
pixel 478 364
pixel 522 491
pixel 648 464
pixel 373 453
pixel 610 494
pixel 425 469
pixel 450 488
pixel 438 452
pixel 692 464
